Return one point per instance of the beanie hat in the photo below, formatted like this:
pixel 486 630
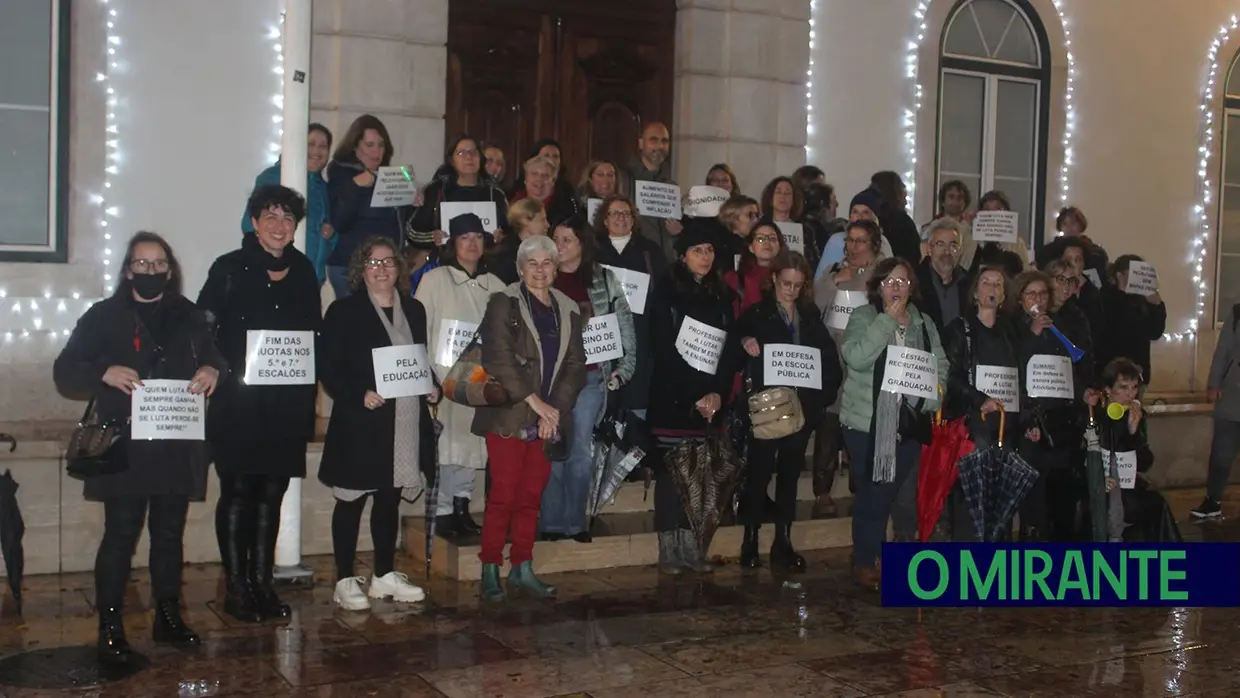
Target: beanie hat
pixel 870 198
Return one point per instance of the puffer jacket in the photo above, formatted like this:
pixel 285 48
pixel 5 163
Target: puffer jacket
pixel 352 215
pixel 865 340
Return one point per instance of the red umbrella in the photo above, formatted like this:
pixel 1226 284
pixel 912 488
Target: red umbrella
pixel 949 441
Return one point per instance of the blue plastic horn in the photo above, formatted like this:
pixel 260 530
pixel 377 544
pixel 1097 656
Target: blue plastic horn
pixel 1075 352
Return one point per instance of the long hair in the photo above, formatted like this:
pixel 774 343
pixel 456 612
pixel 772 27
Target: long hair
pixel 345 151
pixel 589 246
pixel 175 280
pixel 768 197
pixel 748 258
pixel 521 213
pixel 483 177
pixel 724 168
pixel 790 259
pixel 1006 305
pixel 585 189
pixel 357 264
pixel 888 185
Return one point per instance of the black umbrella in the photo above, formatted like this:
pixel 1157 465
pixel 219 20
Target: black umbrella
pixel 706 472
pixel 620 443
pixel 12 528
pixel 431 475
pixel 995 481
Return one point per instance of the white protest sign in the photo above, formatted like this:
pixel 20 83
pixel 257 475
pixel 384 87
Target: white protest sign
pixel 792 365
pixel 1048 375
pixel 842 307
pixel 1092 275
pixel 794 235
pixel 601 339
pixel 704 201
pixel 592 208
pixel 402 371
pixel 279 357
pixel 484 210
pixel 1001 383
pixel 700 345
pixel 636 285
pixel 911 372
pixel 658 200
pixel 394 186
pixel 1142 279
pixel 167 410
pixel 454 337
pixel 995 226
pixel 1125 467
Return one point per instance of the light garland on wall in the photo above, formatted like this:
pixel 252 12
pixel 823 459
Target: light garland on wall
pixel 809 85
pixel 276 35
pixel 1069 131
pixel 112 143
pixel 910 114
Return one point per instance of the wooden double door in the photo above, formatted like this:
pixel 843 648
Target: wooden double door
pixel 588 73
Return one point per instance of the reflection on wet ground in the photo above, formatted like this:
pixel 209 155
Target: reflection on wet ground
pixel 627 632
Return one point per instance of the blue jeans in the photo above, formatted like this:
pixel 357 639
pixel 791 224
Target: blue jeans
pixel 338 277
pixel 1224 447
pixel 874 502
pixel 564 498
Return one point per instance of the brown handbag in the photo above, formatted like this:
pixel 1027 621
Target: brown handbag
pixel 468 383
pixel 775 413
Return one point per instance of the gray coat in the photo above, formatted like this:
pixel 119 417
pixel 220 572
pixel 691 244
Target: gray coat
pixel 1225 371
pixel 653 228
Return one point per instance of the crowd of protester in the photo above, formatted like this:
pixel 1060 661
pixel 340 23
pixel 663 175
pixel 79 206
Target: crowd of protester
pixel 851 287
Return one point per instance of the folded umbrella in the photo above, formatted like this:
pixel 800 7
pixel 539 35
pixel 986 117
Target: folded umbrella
pixel 620 443
pixel 432 490
pixel 995 481
pixel 949 442
pixel 1095 481
pixel 706 472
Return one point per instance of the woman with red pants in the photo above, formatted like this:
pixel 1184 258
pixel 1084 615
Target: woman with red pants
pixel 531 345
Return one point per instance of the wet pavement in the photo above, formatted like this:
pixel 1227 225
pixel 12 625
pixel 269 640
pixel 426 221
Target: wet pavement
pixel 627 632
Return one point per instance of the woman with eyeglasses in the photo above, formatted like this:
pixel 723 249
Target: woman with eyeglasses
pixel 764 244
pixel 863 207
pixel 786 315
pixel 884 430
pixel 600 180
pixel 145 330
pixel 738 214
pixel 260 420
pixel 463 178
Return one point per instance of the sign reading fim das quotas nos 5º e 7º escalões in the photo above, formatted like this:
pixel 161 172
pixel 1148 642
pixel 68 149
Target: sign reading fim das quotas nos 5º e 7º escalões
pixel 279 357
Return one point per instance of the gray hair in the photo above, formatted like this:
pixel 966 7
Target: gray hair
pixel 944 223
pixel 538 161
pixel 533 245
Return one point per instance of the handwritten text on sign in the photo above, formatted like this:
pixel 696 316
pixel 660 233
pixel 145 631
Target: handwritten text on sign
pixel 842 307
pixel 911 372
pixel 1142 278
pixel 167 410
pixel 658 200
pixel 794 235
pixel 792 365
pixel 454 337
pixel 995 226
pixel 700 345
pixel 601 339
pixel 279 357
pixel 1048 375
pixel 1001 383
pixel 484 210
pixel 394 186
pixel 402 371
pixel 636 285
pixel 1125 467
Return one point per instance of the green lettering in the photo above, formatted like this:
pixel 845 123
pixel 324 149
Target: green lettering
pixel 1143 558
pixel 944 576
pixel 1167 575
pixel 1102 568
pixel 970 577
pixel 1014 580
pixel 1072 576
pixel 1038 577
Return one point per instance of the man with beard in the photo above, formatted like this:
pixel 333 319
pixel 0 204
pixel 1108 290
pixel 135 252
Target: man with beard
pixel 651 165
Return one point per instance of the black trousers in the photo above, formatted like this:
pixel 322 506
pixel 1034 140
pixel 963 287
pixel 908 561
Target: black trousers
pixel 785 459
pixel 123 519
pixel 1050 507
pixel 384 525
pixel 828 442
pixel 247 522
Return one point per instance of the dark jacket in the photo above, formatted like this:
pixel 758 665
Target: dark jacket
pixel 930 303
pixel 675 385
pixel 106 336
pixel 985 346
pixel 640 255
pixel 1132 323
pixel 238 297
pixel 426 218
pixel 358 452
pixel 902 233
pixel 655 229
pixel 1063 420
pixel 1095 256
pixel 764 323
pixel 352 215
pixel 502 259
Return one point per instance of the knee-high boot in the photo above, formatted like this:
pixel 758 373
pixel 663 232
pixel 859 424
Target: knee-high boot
pixel 234 529
pixel 263 559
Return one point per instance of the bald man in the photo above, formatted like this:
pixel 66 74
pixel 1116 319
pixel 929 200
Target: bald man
pixel 651 165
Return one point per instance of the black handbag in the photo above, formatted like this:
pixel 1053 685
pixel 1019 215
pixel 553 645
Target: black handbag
pixel 97 447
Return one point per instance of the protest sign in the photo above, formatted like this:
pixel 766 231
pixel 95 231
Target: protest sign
pixel 402 371
pixel 1050 376
pixel 704 201
pixel 454 337
pixel 995 226
pixel 842 307
pixel 484 210
pixel 1142 279
pixel 1125 466
pixel 279 357
pixel 1001 383
pixel 601 339
pixel 792 365
pixel 700 345
pixel 658 200
pixel 394 186
pixel 794 235
pixel 167 410
pixel 911 372
pixel 636 285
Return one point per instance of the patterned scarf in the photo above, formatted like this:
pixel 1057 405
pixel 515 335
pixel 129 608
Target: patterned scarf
pixel 405 471
pixel 887 410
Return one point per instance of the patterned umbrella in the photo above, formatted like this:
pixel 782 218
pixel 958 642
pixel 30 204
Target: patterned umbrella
pixel 621 441
pixel 995 482
pixel 431 475
pixel 707 472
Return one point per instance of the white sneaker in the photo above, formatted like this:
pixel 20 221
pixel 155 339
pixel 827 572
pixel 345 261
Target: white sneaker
pixel 396 586
pixel 349 594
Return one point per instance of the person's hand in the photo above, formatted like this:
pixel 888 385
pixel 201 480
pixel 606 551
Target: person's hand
pixel 327 231
pixel 1092 397
pixel 991 405
pixel 204 381
pixel 751 346
pixel 545 429
pixel 544 411
pixel 372 400
pixel 674 227
pixel 1213 394
pixel 844 275
pixel 1112 483
pixel 1154 298
pixel 1135 412
pixel 898 309
pixel 1041 322
pixel 1034 434
pixel 122 378
pixel 365 179
pixel 418 199
pixel 433 397
pixel 708 406
pixel 438 236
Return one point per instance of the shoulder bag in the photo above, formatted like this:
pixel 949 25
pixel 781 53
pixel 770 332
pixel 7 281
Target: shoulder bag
pixel 774 412
pixel 468 383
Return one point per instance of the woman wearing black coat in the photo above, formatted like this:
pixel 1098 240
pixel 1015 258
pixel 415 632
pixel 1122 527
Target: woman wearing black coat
pixel 259 429
pixel 785 315
pixel 147 329
pixel 462 178
pixel 382 448
pixel 1133 322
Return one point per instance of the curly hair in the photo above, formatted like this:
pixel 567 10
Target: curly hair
pixel 604 209
pixel 357 265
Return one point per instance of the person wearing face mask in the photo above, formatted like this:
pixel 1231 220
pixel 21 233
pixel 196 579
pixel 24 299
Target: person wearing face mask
pixel 462 178
pixel 455 296
pixel 526 219
pixel 1133 322
pixel 862 207
pixel 945 284
pixel 764 244
pixel 145 330
pixel 545 177
pixel 884 431
pixel 365 147
pixel 259 429
pixel 651 164
pixel 320 235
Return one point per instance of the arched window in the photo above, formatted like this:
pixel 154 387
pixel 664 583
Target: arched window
pixel 994 71
pixel 1228 282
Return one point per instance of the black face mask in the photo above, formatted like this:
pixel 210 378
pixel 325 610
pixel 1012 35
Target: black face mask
pixel 149 286
pixel 271 263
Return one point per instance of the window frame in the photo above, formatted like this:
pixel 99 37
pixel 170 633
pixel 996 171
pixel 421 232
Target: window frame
pixel 56 249
pixel 991 71
pixel 1231 107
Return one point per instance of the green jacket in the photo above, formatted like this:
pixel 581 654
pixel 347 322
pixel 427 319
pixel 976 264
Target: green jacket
pixel 864 341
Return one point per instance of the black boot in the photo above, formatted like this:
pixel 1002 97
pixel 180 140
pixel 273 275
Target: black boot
pixel 113 647
pixel 447 526
pixel 464 522
pixel 239 600
pixel 749 548
pixel 782 553
pixel 263 560
pixel 169 627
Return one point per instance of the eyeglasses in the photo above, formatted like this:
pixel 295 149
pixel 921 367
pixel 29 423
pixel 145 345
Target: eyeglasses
pixel 895 282
pixel 939 245
pixel 755 216
pixel 791 285
pixel 857 241
pixel 1035 294
pixel 386 262
pixel 1070 281
pixel 766 238
pixel 467 153
pixel 621 215
pixel 149 266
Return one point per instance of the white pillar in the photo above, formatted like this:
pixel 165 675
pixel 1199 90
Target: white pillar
pixel 296 32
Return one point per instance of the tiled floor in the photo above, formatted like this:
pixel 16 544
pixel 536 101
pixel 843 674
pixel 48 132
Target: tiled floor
pixel 626 633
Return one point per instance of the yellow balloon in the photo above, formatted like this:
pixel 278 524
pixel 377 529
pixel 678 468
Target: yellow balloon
pixel 1116 410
